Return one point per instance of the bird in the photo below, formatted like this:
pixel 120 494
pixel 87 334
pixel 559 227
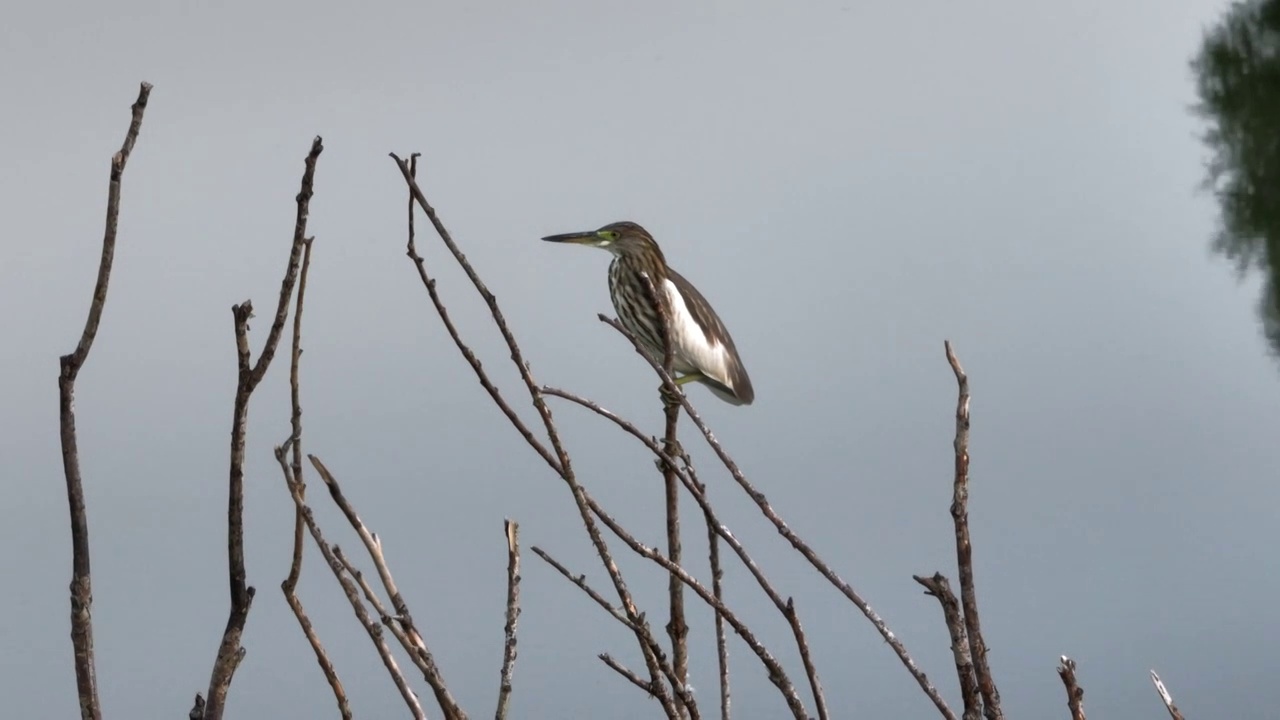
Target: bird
pixel 702 349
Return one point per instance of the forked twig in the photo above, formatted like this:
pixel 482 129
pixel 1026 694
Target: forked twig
pixel 795 540
pixel 677 627
pixel 716 530
pixel 249 374
pixel 293 474
pixel 964 549
pixel 333 558
pixel 69 369
pixel 558 459
pixel 422 655
pixel 940 588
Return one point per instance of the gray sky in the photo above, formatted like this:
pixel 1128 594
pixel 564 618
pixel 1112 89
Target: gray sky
pixel 849 183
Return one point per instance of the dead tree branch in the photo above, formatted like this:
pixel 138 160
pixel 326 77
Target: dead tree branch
pixel 677 627
pixel 69 370
pixel 795 540
pixel 1165 697
pixel 964 549
pixel 249 374
pixel 422 655
pixel 293 476
pixel 556 458
pixel 940 588
pixel 512 532
pixel 1075 693
pixel 333 558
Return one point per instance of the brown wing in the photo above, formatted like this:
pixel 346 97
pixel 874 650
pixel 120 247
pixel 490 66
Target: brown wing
pixel 741 392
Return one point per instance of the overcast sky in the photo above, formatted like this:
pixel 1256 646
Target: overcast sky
pixel 849 183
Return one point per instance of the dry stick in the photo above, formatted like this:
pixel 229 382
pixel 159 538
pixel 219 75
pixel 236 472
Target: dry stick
pixel 512 531
pixel 581 581
pixel 1165 697
pixel 716 529
pixel 722 643
pixel 230 652
pixel 939 587
pixel 777 675
pixel 677 628
pixel 964 549
pixel 796 541
pixel 415 195
pixel 560 461
pixel 290 585
pixel 1075 693
pixel 430 671
pixel 653 646
pixel 618 667
pixel 81 581
pixel 333 559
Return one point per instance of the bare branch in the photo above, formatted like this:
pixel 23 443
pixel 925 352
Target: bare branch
pixel 581 581
pixel 940 588
pixel 717 589
pixel 69 368
pixel 964 549
pixel 559 461
pixel 295 569
pixel 1165 697
pixel 430 671
pixel 796 541
pixel 293 478
pixel 631 677
pixel 230 652
pixel 512 532
pixel 1075 693
pixel 333 558
pixel 715 530
pixel 677 628
pixel 777 674
pixel 652 647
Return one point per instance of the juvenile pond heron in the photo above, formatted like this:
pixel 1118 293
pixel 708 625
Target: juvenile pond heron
pixel 702 350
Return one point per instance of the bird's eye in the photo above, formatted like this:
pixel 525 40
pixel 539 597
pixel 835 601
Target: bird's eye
pixel 610 235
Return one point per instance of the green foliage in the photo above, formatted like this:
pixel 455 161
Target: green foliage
pixel 1238 80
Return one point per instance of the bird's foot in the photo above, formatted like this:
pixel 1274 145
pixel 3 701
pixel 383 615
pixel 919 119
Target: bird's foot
pixel 669 399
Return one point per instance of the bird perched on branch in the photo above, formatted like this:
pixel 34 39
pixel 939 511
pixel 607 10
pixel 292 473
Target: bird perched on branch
pixel 702 350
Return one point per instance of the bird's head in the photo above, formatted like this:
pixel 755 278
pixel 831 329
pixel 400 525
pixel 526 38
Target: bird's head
pixel 619 238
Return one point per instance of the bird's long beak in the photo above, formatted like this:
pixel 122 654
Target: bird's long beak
pixel 580 238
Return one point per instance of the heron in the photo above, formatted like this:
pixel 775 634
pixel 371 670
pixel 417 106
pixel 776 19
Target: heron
pixel 702 350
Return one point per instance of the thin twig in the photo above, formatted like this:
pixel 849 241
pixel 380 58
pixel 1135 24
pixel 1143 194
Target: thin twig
pixel 1075 693
pixel 684 694
pixel 716 530
pixel 581 581
pixel 777 674
pixel 717 589
pixel 622 670
pixel 677 628
pixel 964 549
pixel 230 652
pixel 796 541
pixel 1165 697
pixel 512 531
pixel 69 368
pixel 293 475
pixel 430 671
pixel 939 587
pixel 558 459
pixel 332 558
